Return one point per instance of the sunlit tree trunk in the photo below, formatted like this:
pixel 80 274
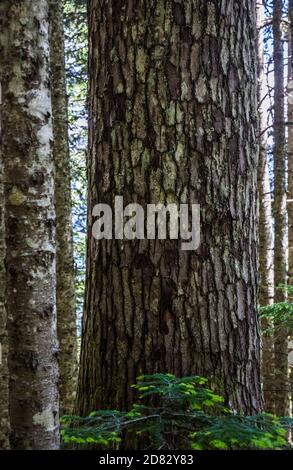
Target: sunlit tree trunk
pixel 280 216
pixel 29 225
pixel 173 118
pixel 66 319
pixel 266 254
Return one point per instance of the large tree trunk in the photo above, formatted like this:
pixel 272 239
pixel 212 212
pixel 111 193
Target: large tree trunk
pixel 4 381
pixel 266 254
pixel 66 319
pixel 30 225
pixel 173 119
pixel 280 215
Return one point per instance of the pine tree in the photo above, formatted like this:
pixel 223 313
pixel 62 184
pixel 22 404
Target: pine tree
pixel 66 319
pixel 266 255
pixel 173 118
pixel 280 213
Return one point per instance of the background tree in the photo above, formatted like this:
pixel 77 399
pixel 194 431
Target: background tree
pixel 76 48
pixel 280 213
pixel 30 225
pixel 290 143
pixel 266 254
pixel 173 119
pixel 4 381
pixel 66 319
pixel 290 165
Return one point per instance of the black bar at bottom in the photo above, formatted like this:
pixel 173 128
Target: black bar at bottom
pixel 88 460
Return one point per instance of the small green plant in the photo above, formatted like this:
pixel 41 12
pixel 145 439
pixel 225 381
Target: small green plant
pixel 175 413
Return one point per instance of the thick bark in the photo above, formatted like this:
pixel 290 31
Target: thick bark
pixel 66 319
pixel 29 224
pixel 4 381
pixel 280 215
pixel 173 118
pixel 266 244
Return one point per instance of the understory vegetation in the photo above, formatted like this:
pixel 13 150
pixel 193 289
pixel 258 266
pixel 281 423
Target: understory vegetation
pixel 175 413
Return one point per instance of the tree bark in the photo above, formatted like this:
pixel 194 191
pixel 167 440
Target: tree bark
pixel 173 118
pixel 266 244
pixel 4 381
pixel 280 213
pixel 66 319
pixel 290 145
pixel 30 225
pixel 290 169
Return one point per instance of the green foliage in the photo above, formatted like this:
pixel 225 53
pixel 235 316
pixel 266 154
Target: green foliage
pixel 182 394
pixel 175 413
pixel 279 315
pixel 263 432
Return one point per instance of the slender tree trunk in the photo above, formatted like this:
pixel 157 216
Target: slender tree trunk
pixel 173 118
pixel 66 319
pixel 4 381
pixel 290 145
pixel 290 169
pixel 30 225
pixel 280 248
pixel 266 254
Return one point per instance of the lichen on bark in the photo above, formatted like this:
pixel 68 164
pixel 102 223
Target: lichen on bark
pixel 26 150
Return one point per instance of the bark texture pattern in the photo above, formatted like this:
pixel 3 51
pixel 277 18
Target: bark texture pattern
pixel 173 118
pixel 4 383
pixel 30 225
